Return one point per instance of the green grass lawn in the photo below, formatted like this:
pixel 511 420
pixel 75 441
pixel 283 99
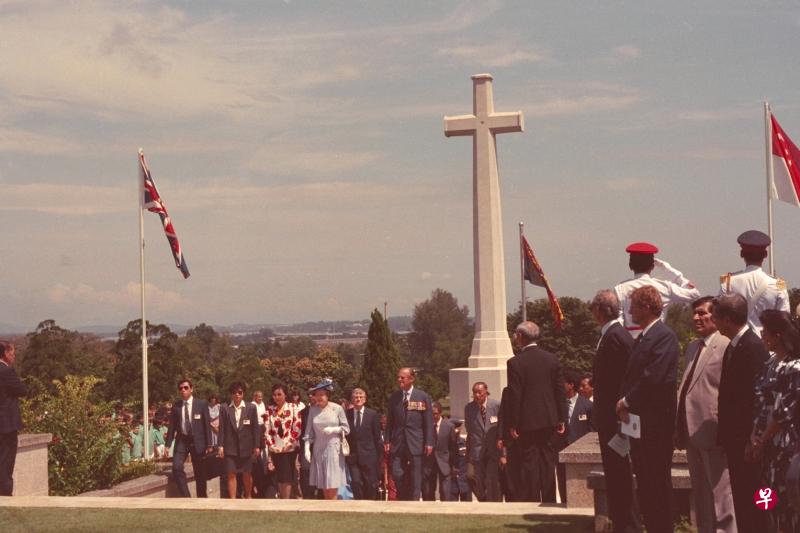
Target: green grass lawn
pixel 63 520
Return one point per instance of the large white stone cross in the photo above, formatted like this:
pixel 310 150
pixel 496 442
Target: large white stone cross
pixel 491 346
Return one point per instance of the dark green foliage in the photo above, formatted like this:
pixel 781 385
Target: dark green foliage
pixel 301 373
pixel 85 453
pixel 679 318
pixel 440 339
pixel 164 367
pixel 575 344
pixel 381 362
pixel 53 352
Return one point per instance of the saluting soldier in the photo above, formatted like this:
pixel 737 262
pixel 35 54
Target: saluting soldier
pixel 675 288
pixel 761 290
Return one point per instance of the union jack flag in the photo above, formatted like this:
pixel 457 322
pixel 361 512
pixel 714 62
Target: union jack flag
pixel 154 204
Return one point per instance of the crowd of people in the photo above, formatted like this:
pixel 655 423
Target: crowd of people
pixel 734 411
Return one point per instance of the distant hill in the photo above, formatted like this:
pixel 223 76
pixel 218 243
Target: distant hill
pixel 396 323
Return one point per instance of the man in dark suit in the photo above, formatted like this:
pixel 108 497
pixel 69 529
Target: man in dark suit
pixel 579 413
pixel 410 427
pixel 366 447
pixel 539 412
pixel 742 363
pixel 649 391
pixel 190 427
pixel 439 466
pixel 239 439
pixel 11 388
pixel 610 364
pixel 696 424
pixel 508 448
pixel 481 416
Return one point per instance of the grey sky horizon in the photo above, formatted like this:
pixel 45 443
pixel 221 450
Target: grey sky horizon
pixel 299 149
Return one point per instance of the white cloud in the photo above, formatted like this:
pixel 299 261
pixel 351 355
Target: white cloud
pixel 494 55
pixel 627 184
pixel 85 200
pixel 579 97
pixel 126 298
pixel 424 276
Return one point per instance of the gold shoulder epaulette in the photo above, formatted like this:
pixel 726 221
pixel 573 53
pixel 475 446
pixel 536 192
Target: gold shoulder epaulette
pixel 780 284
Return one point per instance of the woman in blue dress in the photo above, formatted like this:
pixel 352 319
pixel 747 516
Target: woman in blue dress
pixel 327 426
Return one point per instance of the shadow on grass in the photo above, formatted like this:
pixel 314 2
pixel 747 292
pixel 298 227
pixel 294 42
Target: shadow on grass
pixel 556 524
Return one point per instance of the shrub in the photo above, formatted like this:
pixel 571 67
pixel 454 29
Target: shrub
pixel 86 451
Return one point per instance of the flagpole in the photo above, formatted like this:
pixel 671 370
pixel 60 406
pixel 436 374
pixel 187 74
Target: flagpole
pixel 522 273
pixel 145 403
pixel 770 181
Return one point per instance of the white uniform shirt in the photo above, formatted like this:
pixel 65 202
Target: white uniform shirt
pixel 670 293
pixel 749 283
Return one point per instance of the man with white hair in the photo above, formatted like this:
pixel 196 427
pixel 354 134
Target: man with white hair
pixel 538 412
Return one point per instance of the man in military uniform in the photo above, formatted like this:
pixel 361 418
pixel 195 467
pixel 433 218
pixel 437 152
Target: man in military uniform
pixel 676 288
pixel 761 290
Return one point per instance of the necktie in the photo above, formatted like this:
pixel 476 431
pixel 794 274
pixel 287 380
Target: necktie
pixel 682 424
pixel 483 414
pixel 358 419
pixel 405 400
pixel 187 419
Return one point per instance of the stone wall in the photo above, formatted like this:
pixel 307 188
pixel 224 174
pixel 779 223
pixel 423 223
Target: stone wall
pixel 30 471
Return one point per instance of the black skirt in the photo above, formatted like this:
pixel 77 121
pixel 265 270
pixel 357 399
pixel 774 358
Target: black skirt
pixel 284 466
pixel 238 465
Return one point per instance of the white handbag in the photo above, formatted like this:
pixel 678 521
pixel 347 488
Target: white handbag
pixel 345 445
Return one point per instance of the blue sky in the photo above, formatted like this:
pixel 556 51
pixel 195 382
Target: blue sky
pixel 299 148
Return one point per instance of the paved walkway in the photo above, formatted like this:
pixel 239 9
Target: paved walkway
pixel 351 506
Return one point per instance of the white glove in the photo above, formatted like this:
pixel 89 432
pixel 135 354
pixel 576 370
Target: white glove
pixel 307 451
pixel 330 430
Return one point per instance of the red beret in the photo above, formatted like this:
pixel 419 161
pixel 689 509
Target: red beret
pixel 641 248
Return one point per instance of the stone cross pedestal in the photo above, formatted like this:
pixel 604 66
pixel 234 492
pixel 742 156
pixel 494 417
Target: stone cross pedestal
pixel 491 346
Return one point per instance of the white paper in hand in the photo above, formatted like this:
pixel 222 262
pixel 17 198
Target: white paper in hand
pixel 633 428
pixel 620 444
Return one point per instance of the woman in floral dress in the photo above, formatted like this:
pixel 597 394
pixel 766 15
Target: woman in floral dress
pixel 781 336
pixel 283 430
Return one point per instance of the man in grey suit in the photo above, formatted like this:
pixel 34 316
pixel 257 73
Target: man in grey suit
pixel 441 465
pixel 480 418
pixel 696 424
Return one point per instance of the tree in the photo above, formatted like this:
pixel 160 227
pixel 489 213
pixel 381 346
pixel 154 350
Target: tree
pixel 381 362
pixel 575 344
pixel 52 352
pixel 165 365
pixel 441 337
pixel 301 373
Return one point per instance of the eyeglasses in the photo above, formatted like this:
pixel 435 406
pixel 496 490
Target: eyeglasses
pixel 184 387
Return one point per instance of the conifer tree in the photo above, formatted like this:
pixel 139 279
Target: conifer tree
pixel 381 362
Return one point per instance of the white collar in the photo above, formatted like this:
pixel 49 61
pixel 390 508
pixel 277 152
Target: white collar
pixel 707 340
pixel 241 405
pixel 608 325
pixel 574 399
pixel 5 363
pixel 649 326
pixel 735 340
pixel 409 391
pixel 642 275
pixel 529 345
pixel 751 268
